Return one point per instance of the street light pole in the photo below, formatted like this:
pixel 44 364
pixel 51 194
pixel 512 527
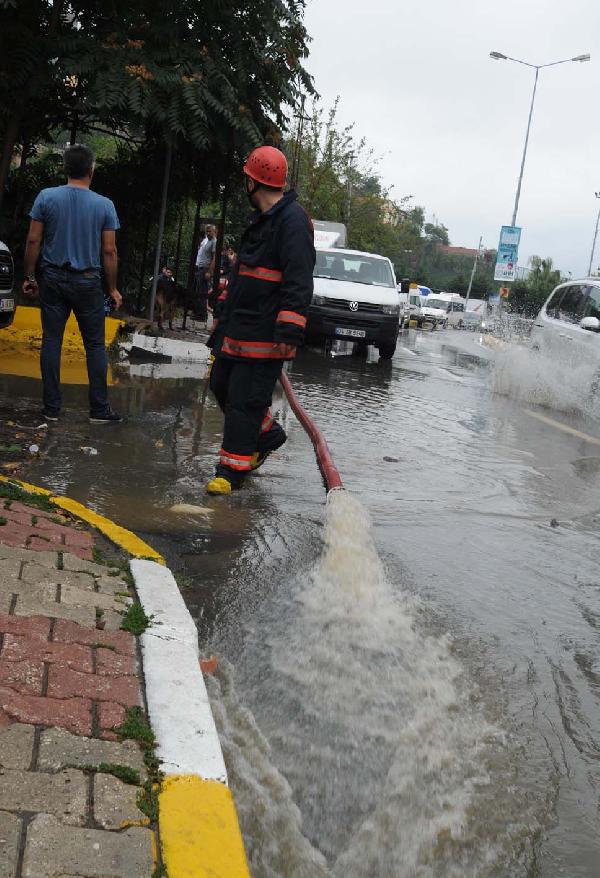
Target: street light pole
pixel 498 56
pixel 597 194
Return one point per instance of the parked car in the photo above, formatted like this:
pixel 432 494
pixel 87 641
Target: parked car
pixel 568 325
pixel 355 298
pixel 7 277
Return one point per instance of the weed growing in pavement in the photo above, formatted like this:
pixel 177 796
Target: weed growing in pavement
pixel 135 727
pixel 122 772
pixel 135 619
pixel 11 492
pixel 105 646
pixel 98 556
pixel 2 521
pixel 34 519
pixel 159 872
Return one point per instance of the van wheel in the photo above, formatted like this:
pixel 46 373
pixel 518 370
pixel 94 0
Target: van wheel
pixel 361 349
pixel 387 351
pixel 419 324
pixel 460 324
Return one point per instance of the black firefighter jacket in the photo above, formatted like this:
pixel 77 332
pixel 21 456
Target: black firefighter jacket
pixel 264 314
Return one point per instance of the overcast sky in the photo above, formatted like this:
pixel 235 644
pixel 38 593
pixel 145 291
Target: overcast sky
pixel 417 79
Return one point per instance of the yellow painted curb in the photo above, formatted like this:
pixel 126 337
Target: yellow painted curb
pixel 117 534
pixel 26 329
pixel 199 831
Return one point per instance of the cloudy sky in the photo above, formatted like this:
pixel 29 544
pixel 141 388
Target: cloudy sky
pixel 417 79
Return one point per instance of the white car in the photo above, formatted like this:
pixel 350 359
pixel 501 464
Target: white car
pixel 7 298
pixel 568 326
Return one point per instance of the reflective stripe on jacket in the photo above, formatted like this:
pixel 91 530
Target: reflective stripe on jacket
pixel 270 290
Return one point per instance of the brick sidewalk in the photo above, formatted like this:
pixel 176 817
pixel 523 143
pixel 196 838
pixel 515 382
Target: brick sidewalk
pixel 68 676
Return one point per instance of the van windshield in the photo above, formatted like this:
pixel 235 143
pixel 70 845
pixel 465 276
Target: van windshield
pixel 435 303
pixel 354 267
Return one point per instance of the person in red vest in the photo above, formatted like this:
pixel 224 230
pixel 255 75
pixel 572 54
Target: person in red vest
pixel 263 318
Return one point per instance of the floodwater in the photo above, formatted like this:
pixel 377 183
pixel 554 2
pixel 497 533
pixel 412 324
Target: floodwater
pixel 409 675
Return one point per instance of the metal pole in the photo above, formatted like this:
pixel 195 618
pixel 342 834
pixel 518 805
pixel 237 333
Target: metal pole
pixel 161 229
pixel 514 216
pixel 475 261
pixel 594 245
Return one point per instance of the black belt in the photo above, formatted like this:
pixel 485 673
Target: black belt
pixel 67 267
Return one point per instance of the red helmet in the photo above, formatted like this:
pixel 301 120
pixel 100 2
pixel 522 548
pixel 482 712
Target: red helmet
pixel 267 165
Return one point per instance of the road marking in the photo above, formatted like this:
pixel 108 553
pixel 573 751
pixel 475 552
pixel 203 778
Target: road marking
pixel 564 427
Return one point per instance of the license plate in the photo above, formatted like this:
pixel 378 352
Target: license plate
pixel 350 333
pixel 7 304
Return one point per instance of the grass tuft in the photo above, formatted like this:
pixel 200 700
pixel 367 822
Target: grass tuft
pixel 135 619
pixel 122 772
pixel 11 492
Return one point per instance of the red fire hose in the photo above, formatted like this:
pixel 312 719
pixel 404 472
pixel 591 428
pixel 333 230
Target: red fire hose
pixel 328 468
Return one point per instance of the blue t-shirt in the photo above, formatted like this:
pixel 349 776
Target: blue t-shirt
pixel 74 219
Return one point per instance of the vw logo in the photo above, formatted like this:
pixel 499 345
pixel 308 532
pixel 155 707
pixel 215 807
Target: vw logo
pixel 353 306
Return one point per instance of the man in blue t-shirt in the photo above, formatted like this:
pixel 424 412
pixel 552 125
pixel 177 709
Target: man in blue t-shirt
pixel 72 231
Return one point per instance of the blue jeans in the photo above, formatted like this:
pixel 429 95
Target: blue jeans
pixel 60 293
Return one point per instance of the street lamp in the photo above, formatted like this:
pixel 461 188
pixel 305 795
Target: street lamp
pixel 498 56
pixel 597 194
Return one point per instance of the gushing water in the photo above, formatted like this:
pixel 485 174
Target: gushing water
pixel 376 730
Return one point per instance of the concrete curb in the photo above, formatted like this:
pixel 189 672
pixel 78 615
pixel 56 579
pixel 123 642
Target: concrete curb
pixel 199 830
pixel 198 825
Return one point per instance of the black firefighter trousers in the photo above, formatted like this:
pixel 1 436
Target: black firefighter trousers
pixel 244 391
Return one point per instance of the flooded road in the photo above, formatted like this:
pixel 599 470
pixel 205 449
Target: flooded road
pixel 410 676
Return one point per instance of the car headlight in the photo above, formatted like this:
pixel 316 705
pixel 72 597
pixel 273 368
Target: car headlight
pixel 319 300
pixel 391 309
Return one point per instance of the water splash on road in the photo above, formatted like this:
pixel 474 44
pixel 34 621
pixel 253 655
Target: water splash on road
pixel 403 774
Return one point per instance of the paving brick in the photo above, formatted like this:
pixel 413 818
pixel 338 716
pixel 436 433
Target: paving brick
pixel 72 562
pixel 85 554
pixel 47 525
pixel 73 655
pixel 38 592
pixel 25 677
pixel 112 620
pixel 63 794
pixel 5 602
pixel 16 746
pixel 115 802
pixel 53 850
pixel 10 566
pixel 113 585
pixel 16 535
pixel 39 573
pixel 34 627
pixel 63 682
pixel 49 558
pixel 110 715
pixel 27 606
pixel 60 749
pixel 77 538
pixel 16 506
pixel 80 597
pixel 113 664
pixel 42 544
pixel 73 714
pixel 23 518
pixel 10 834
pixel 69 632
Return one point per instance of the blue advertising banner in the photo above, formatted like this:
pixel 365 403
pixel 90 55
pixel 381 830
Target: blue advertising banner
pixel 508 253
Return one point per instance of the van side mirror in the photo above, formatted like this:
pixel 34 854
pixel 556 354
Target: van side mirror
pixel 592 324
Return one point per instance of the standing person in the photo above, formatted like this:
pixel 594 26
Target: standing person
pixel 74 228
pixel 263 319
pixel 205 266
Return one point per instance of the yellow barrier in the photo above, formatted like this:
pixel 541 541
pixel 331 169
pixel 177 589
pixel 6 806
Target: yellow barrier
pixel 20 344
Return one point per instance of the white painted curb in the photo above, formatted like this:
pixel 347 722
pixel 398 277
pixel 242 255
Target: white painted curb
pixel 178 704
pixel 176 349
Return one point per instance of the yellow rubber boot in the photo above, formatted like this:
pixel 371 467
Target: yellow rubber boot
pixel 219 485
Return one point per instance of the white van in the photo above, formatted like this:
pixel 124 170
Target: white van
pixel 355 298
pixel 443 309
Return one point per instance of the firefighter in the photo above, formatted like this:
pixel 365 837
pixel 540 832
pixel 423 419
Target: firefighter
pixel 262 320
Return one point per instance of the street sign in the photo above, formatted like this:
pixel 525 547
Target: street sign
pixel 504 292
pixel 508 253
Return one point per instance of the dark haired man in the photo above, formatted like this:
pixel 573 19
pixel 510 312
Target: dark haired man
pixel 74 229
pixel 263 318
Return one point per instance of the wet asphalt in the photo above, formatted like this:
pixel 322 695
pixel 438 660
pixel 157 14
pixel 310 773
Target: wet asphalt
pixel 485 516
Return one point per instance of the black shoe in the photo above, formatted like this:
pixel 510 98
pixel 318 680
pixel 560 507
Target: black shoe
pixel 50 416
pixel 109 417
